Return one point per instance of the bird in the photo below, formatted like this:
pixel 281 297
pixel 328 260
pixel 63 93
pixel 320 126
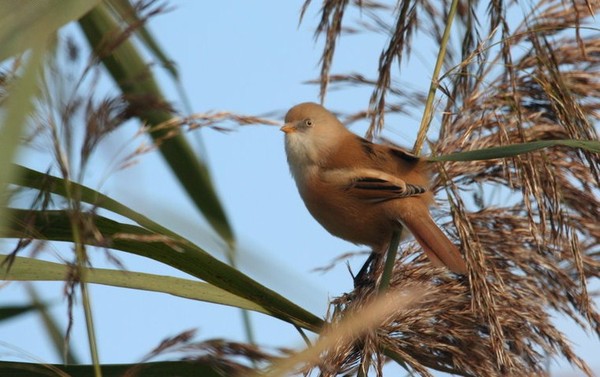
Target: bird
pixel 361 191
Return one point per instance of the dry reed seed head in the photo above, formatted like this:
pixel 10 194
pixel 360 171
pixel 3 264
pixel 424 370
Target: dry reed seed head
pixel 140 104
pixel 441 331
pixel 550 271
pixel 526 254
pixel 227 358
pixel 141 12
pixel 350 340
pixel 177 125
pixel 332 13
pixel 536 243
pixel 102 118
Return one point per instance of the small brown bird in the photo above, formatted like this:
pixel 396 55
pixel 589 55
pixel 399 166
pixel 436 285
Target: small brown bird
pixel 361 191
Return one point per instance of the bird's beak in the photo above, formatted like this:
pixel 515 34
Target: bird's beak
pixel 288 128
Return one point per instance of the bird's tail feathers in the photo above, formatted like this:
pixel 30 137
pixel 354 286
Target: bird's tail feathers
pixel 438 248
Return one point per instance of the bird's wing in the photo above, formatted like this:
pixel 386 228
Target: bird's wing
pixel 372 185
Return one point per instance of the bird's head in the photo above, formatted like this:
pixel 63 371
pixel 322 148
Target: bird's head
pixel 311 133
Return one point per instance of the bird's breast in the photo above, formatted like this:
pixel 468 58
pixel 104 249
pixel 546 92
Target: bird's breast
pixel 343 215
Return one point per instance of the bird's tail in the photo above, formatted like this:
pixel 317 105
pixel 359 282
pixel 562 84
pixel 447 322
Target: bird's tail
pixel 440 250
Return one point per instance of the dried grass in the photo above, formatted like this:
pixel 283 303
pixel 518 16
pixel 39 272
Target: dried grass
pixel 531 243
pixel 226 358
pixel 530 249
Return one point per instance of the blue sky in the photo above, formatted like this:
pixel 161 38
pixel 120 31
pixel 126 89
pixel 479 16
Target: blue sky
pixel 250 58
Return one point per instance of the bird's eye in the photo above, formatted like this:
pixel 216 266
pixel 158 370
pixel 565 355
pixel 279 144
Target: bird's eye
pixel 308 122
